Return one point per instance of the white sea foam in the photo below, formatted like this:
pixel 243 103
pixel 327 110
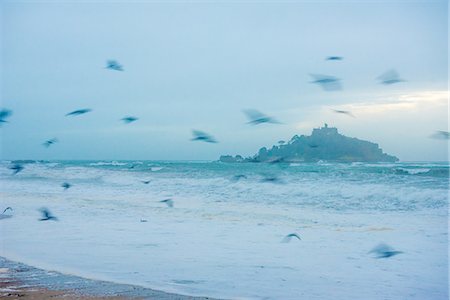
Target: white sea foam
pixel 223 237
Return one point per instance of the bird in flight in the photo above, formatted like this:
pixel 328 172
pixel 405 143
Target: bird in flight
pixel 66 185
pixel 384 251
pixel 46 215
pixel 50 142
pixel 168 202
pixel 5 216
pixel 288 238
pixel 334 58
pixel 345 112
pixel 272 179
pixel 16 168
pixel 256 117
pixel 79 112
pixel 238 177
pixel 6 209
pixel 114 65
pixel 390 77
pixel 4 113
pixel 129 119
pixel 326 82
pixel 441 135
pixel 145 181
pixel 202 136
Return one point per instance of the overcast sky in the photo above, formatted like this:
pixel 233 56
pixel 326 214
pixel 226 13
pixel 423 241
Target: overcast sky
pixel 198 65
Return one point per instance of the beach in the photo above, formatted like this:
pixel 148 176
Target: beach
pixel 21 281
pixel 224 238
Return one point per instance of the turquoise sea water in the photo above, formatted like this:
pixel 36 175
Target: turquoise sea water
pixel 222 237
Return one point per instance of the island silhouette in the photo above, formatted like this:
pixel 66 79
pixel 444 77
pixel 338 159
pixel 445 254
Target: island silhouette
pixel 324 144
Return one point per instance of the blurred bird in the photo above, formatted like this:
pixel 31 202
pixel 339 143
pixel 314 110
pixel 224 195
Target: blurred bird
pixel 129 119
pixel 334 58
pixel 168 202
pixel 384 251
pixel 50 142
pixel 271 179
pixel 313 146
pixel 256 117
pixel 288 238
pixel 390 77
pixel 66 185
pixel 4 113
pixel 114 65
pixel 238 177
pixel 441 135
pixel 145 181
pixel 143 220
pixel 46 215
pixel 326 82
pixel 6 216
pixel 6 209
pixel 202 136
pixel 79 112
pixel 16 168
pixel 276 160
pixel 345 112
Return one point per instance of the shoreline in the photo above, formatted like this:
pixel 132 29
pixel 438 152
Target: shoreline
pixel 18 280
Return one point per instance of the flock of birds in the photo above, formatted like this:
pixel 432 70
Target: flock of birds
pixel 255 117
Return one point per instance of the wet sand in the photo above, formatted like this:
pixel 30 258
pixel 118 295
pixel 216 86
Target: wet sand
pixel 19 281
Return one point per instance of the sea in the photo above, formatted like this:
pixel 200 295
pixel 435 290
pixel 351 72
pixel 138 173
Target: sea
pixel 224 236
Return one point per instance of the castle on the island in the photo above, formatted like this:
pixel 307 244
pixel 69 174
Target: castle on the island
pixel 325 144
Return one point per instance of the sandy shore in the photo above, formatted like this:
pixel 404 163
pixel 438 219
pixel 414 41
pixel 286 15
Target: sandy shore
pixel 21 281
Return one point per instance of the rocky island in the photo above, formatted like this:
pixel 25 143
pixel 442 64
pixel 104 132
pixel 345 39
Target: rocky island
pixel 325 144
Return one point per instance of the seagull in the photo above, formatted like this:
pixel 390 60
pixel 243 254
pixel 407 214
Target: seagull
pixel 390 77
pixel 79 112
pixel 326 82
pixel 16 168
pixel 129 119
pixel 288 238
pixel 384 251
pixel 145 181
pixel 50 142
pixel 238 177
pixel 334 58
pixel 256 117
pixel 442 135
pixel 66 185
pixel 202 136
pixel 272 179
pixel 276 160
pixel 345 112
pixel 114 65
pixel 168 202
pixel 8 208
pixel 46 215
pixel 3 216
pixel 4 113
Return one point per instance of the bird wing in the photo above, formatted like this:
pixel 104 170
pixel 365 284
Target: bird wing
pixel 381 248
pixel 253 114
pixel 5 113
pixel 389 76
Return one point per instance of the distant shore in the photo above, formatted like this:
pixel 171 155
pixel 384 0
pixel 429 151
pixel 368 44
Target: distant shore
pixel 18 280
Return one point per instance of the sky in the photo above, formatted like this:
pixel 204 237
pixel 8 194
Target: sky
pixel 199 64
